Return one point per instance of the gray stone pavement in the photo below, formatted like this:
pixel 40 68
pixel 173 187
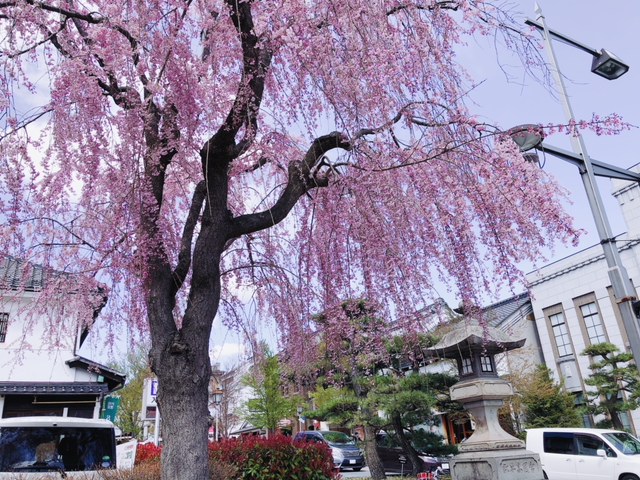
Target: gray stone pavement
pixel 364 473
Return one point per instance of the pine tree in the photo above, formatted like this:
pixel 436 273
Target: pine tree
pixel 409 398
pixel 353 347
pixel 616 382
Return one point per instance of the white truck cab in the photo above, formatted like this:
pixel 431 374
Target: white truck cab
pixel 55 447
pixel 585 453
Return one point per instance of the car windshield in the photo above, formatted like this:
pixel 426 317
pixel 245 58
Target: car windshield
pixel 627 444
pixel 46 449
pixel 338 438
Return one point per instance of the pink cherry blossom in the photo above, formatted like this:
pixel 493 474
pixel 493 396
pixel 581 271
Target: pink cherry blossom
pixel 186 156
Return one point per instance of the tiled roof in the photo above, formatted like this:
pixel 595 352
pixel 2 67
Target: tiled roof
pixel 498 312
pixel 428 318
pixel 16 274
pixel 57 388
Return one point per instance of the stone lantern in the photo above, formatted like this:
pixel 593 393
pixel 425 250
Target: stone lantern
pixel 489 453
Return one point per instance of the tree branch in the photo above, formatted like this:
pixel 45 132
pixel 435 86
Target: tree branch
pixel 444 4
pixel 184 257
pixel 299 182
pixel 80 240
pixel 244 111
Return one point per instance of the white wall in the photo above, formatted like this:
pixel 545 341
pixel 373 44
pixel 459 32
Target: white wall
pixel 38 344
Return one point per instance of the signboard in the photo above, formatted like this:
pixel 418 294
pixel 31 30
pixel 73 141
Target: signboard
pixel 149 395
pixel 150 392
pixel 126 455
pixel 111 405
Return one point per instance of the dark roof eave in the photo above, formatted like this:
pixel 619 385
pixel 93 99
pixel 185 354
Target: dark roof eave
pixel 115 380
pixel 53 388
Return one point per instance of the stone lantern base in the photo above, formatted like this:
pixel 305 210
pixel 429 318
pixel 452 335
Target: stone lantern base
pixel 512 464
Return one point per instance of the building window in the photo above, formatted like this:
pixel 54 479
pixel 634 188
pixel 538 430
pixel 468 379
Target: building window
pixel 485 364
pixel 593 322
pixel 561 334
pixel 4 322
pixel 467 366
pixel 580 402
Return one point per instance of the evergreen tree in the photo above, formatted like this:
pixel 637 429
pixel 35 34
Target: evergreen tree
pixel 409 402
pixel 616 383
pixel 337 405
pixel 409 398
pixel 352 351
pixel 546 404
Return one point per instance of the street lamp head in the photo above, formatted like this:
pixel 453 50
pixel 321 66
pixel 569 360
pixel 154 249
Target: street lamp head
pixel 526 136
pixel 609 66
pixel 217 396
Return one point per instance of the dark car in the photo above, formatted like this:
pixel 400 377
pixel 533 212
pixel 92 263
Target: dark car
pixel 346 454
pixel 396 460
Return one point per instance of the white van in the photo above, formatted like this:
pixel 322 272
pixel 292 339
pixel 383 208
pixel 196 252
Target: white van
pixel 55 447
pixel 585 453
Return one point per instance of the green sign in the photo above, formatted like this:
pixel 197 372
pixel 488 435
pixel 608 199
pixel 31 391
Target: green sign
pixel 110 410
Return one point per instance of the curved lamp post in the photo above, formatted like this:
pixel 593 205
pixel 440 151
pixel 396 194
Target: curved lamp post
pixel 611 67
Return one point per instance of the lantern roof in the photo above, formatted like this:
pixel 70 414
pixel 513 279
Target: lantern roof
pixel 473 336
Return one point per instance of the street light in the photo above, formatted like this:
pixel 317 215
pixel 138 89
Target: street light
pixel 217 400
pixel 604 63
pixel 530 136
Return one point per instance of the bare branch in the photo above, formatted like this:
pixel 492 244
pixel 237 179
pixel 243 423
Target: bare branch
pixel 444 4
pixel 81 241
pixel 300 181
pixel 26 122
pixel 51 36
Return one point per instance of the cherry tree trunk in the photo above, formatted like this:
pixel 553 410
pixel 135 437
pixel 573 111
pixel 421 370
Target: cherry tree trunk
pixel 184 416
pixel 180 354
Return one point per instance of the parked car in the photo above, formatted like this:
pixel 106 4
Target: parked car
pixel 396 460
pixel 585 453
pixel 30 447
pixel 346 454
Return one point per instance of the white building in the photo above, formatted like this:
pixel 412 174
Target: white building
pixel 574 306
pixel 41 369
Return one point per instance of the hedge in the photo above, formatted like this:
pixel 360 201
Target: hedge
pixel 256 458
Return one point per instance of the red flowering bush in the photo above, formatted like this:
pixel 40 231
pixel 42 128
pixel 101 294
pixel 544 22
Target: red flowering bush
pixel 147 452
pixel 255 458
pixel 275 458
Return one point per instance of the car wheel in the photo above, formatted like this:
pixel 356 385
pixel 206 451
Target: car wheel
pixel 629 476
pixel 544 475
pixel 357 469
